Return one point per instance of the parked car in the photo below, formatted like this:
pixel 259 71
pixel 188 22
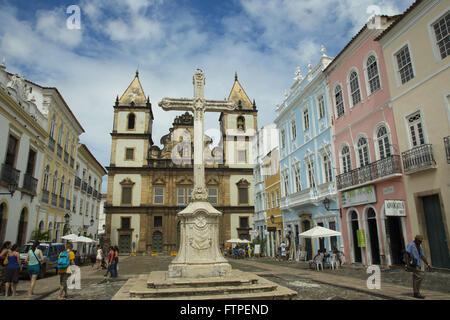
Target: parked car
pixel 50 251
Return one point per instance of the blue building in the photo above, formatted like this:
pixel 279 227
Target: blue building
pixel 307 169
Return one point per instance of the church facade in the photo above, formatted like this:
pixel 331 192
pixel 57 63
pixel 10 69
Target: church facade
pixel 148 185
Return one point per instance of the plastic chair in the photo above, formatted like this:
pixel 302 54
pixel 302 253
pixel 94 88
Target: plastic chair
pixel 334 261
pixel 319 262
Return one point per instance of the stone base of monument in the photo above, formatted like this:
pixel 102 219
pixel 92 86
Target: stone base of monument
pixel 235 285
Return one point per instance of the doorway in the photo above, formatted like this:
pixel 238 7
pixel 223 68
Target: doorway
pixel 22 230
pixel 178 234
pixel 373 236
pixel 321 240
pixel 394 228
pixel 355 227
pixel 157 241
pixel 436 232
pixel 124 243
pixel 308 243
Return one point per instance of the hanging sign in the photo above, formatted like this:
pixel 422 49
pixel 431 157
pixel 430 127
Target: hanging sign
pixel 361 235
pixel 394 208
pixel 358 196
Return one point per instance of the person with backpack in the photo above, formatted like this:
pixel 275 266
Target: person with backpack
pixel 33 259
pixel 12 270
pixel 3 254
pixel 413 256
pixel 65 259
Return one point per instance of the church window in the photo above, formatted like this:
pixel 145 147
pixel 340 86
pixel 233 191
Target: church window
pixel 129 154
pixel 125 223
pixel 241 123
pixel 243 186
pixel 242 156
pixel 126 194
pixel 180 196
pixel 213 195
pixel 158 196
pixel 131 121
pixel 157 221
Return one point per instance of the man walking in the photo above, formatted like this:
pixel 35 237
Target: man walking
pixel 65 260
pixel 414 255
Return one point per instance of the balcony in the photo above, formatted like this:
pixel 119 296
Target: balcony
pixel 10 175
pixel 61 202
pixel 45 196
pixel 59 151
pixel 77 182
pixel 418 159
pixel 68 204
pixel 30 183
pixel 447 148
pixel 72 161
pixel 94 194
pixel 66 157
pixel 89 190
pixel 84 186
pixel 373 172
pixel 54 199
pixel 51 144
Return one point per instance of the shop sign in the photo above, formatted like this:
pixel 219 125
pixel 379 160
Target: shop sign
pixel 361 235
pixel 358 196
pixel 394 208
pixel 257 249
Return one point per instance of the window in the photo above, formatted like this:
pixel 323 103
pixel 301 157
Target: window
pixel 273 200
pixel 339 100
pixel 404 65
pixel 268 201
pixel 297 183
pixel 31 162
pixel 158 196
pixel 286 182
pixel 372 74
pixel 363 152
pixel 293 129
pixel 240 123
pixel 74 204
pixel 60 133
pixel 81 206
pixel 278 198
pixel 55 182
pixel 306 119
pixel 157 221
pixel 283 144
pixel 180 196
pixel 442 33
pixel 243 186
pixel 52 127
pixel 125 223
pixel 383 143
pixel 11 151
pixel 61 187
pixel 189 194
pixel 321 107
pixel 242 156
pixel 243 222
pixel 416 133
pixel 129 153
pixel 131 121
pixel 327 168
pixel 346 160
pixel 66 143
pixel 354 88
pixel 46 178
pixel 213 195
pixel 311 178
pixel 126 194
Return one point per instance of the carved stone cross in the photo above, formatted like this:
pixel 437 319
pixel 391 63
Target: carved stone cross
pixel 198 106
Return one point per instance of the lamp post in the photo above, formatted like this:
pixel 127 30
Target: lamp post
pixel 67 220
pixel 11 188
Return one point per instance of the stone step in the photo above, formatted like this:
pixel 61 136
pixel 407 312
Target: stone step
pixel 159 280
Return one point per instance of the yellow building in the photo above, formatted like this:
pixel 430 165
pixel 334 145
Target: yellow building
pixel 416 50
pixel 274 216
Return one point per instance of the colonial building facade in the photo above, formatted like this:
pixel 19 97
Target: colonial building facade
pixel 370 179
pixel 306 158
pixel 416 49
pixel 149 185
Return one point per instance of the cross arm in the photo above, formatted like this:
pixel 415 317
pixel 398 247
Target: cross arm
pixel 169 104
pixel 219 105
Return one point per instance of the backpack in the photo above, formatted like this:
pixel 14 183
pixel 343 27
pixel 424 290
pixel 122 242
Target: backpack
pixel 63 260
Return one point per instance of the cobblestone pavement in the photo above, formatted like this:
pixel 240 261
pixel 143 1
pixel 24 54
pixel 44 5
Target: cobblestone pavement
pixel 293 275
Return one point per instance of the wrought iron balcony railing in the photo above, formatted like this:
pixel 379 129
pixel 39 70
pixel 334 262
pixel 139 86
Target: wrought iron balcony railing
pixel 30 183
pixel 77 182
pixel 10 175
pixel 59 151
pixel 45 196
pixel 89 190
pixel 51 144
pixel 66 157
pixel 54 199
pixel 72 162
pixel 84 186
pixel 418 158
pixel 67 204
pixel 447 148
pixel 62 202
pixel 373 171
pixel 94 194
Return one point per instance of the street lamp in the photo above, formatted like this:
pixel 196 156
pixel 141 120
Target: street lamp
pixel 272 219
pixel 11 188
pixel 92 222
pixel 326 204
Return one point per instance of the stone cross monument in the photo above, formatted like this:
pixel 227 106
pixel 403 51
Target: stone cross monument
pixel 199 254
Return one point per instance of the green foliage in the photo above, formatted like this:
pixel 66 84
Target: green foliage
pixel 41 236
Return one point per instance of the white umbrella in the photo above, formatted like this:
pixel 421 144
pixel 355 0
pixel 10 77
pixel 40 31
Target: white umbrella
pixel 234 241
pixel 244 241
pixel 70 237
pixel 85 239
pixel 319 232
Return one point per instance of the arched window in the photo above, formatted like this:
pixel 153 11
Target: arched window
pixel 55 181
pixel 52 126
pixel 346 160
pixel 383 143
pixel 372 74
pixel 60 133
pixel 61 188
pixel 354 88
pixel 241 123
pixel 131 121
pixel 328 177
pixel 46 178
pixel 339 100
pixel 363 152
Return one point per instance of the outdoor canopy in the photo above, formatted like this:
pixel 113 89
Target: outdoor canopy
pixel 237 241
pixel 75 238
pixel 319 232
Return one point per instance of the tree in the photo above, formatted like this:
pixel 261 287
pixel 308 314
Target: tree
pixel 38 235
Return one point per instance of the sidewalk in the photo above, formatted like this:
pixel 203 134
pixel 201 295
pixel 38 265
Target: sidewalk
pixel 388 291
pixel 50 284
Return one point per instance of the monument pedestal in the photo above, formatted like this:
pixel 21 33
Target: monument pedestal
pixel 199 255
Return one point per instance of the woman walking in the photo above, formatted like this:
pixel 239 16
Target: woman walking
pixel 12 270
pixel 116 261
pixel 33 259
pixel 99 257
pixel 3 254
pixel 110 263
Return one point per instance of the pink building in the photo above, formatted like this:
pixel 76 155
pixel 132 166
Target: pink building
pixel 374 216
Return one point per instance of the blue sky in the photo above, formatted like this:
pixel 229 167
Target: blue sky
pixel 263 40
